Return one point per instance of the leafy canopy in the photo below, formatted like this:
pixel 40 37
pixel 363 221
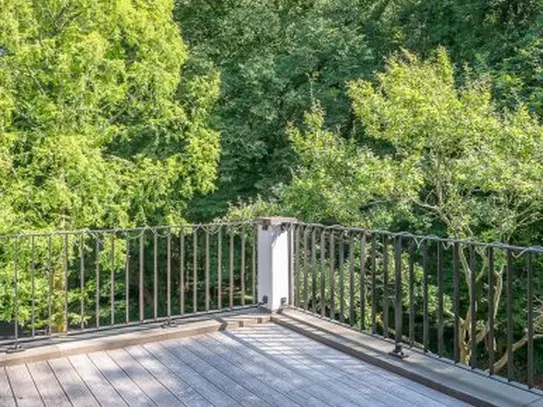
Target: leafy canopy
pixel 434 157
pixel 475 169
pixel 98 126
pixel 273 57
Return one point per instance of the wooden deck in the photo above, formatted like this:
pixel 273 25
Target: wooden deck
pixel 264 365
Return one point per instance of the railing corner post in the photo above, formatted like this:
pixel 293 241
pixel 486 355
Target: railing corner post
pixel 274 262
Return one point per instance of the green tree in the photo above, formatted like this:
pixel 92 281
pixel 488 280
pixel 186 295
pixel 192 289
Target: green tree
pixel 499 39
pixel 273 58
pixel 100 125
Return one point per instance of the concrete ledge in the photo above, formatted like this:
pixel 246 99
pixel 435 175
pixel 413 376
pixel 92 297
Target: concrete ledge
pixel 462 384
pixel 185 328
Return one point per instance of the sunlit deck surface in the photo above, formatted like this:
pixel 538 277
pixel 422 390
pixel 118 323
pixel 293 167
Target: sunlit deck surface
pixel 260 365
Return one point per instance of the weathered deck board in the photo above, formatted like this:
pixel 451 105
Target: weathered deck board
pixel 350 370
pixel 23 387
pixel 117 378
pixel 324 376
pixel 245 379
pixel 373 375
pixel 297 346
pixel 280 377
pixel 185 393
pixel 267 366
pixel 224 382
pixel 160 395
pixel 207 389
pixel 6 396
pixel 49 388
pixel 77 391
pixel 306 379
pixel 97 383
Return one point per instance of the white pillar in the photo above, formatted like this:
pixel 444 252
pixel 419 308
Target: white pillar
pixel 273 262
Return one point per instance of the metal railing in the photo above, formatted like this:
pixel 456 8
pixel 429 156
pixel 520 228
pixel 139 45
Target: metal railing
pixel 472 304
pixel 64 283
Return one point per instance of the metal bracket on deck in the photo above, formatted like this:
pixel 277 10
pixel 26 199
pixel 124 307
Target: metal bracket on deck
pixel 169 323
pixel 15 348
pixel 398 352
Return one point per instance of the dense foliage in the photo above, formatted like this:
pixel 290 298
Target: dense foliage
pixel 98 127
pixel 274 57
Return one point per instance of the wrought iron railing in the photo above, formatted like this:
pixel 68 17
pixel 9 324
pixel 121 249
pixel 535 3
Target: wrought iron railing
pixel 472 304
pixel 64 283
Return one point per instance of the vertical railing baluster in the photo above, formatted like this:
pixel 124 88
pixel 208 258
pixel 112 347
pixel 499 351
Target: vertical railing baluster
pixel 290 246
pixel 306 249
pixel 195 269
pixel 473 307
pixel 182 271
pixel 33 282
pixel 219 268
pixel 50 286
pixel 509 312
pixel 385 287
pixel 412 246
pixel 112 278
pixel 231 271
pixel 491 310
pixel 66 283
pixel 297 266
pixel 440 328
pixel 141 266
pixel 207 295
pixel 425 333
pixel 313 271
pixel 82 279
pixel 456 301
pixel 16 293
pixel 97 278
pixel 323 272
pixel 253 266
pixel 530 323
pixel 332 276
pixel 373 284
pixel 398 307
pixel 351 280
pixel 155 274
pixel 242 271
pixel 341 282
pixel 127 280
pixel 362 282
pixel 169 275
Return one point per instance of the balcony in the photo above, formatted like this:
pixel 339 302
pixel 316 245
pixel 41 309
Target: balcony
pixel 273 312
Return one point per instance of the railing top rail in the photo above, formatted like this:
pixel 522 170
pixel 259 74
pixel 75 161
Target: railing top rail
pixel 418 238
pixel 421 238
pixel 126 230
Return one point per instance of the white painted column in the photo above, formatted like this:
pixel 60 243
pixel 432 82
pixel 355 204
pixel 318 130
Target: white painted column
pixel 273 262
